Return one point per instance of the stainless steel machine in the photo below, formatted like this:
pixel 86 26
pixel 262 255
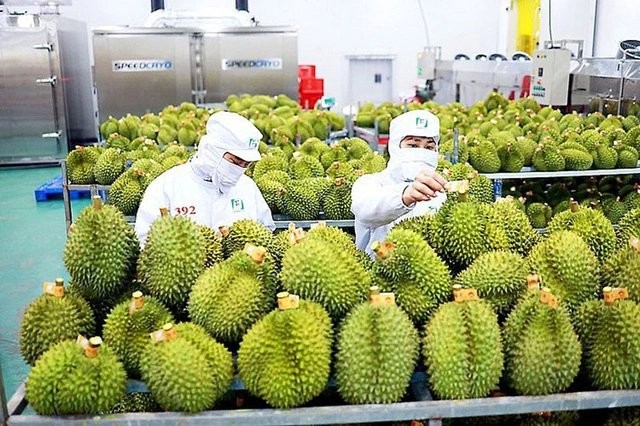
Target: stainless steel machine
pixel 139 70
pixel 46 93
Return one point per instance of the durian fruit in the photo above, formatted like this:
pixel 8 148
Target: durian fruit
pixel 80 164
pixel 305 166
pixel 542 351
pixel 109 166
pixel 377 352
pixel 301 200
pixel 623 417
pixel 462 348
pixel 213 246
pixel 127 327
pixel 592 225
pixel 459 233
pixel 539 214
pixel 136 402
pixel 623 269
pixel 186 369
pixel 243 232
pixel 484 157
pixel 316 271
pixel 567 266
pixel 55 316
pixel 610 335
pixel 628 226
pixel 576 159
pixel 127 190
pixel 614 209
pixel 337 202
pixel 101 251
pixel 285 357
pixel 507 221
pixel 548 158
pixel 548 418
pixel 407 266
pixel 229 298
pixel 268 163
pixel 500 277
pixel 76 377
pixel 172 259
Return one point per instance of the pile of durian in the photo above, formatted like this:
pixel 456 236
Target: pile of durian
pixel 544 198
pixel 472 295
pixel 499 135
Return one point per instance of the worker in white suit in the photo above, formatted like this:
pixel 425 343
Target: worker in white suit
pixel 408 187
pixel 212 188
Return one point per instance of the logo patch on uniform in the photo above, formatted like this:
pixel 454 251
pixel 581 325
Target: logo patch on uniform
pixel 253 143
pixel 421 123
pixel 237 205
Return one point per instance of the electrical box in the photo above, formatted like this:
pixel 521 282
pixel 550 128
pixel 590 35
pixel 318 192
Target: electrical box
pixel 550 76
pixel 427 65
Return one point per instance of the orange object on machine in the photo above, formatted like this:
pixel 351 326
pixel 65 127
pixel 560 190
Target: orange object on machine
pixel 310 88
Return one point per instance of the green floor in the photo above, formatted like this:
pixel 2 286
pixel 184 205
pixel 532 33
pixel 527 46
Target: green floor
pixel 32 236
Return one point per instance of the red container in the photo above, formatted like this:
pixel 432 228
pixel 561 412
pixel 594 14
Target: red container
pixel 309 91
pixel 306 71
pixel 311 85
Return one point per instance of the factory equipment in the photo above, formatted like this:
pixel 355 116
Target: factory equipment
pixel 550 76
pixel 46 95
pixel 139 70
pixel 427 72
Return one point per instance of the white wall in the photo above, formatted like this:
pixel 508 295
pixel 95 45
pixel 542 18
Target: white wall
pixel 617 20
pixel 570 20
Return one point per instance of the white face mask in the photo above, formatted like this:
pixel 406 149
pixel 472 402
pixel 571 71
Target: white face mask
pixel 227 175
pixel 414 160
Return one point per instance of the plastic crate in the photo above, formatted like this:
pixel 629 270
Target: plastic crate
pixel 52 190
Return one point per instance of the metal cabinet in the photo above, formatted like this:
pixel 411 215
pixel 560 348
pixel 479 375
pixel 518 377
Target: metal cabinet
pixel 46 99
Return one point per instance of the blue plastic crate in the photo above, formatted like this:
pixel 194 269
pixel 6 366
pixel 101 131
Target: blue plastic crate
pixel 52 190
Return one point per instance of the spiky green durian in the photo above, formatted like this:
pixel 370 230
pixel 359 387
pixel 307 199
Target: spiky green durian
pixel 337 201
pixel 567 266
pixel 628 226
pixel 484 157
pixel 377 353
pixel 313 147
pixel 101 251
pixel 127 190
pixel 52 318
pixel 499 276
pixel 614 209
pixel 186 370
pixel 336 153
pixel 212 246
pixel 627 156
pixel 611 339
pixel 269 162
pixel 622 269
pixel 548 158
pixel 576 159
pixel 459 233
pixel 301 201
pixel 80 164
pixel 109 166
pixel 305 166
pixel 172 259
pixel 462 350
pixel 136 402
pixel 592 225
pixel 604 157
pixel 407 266
pixel 127 327
pixel 285 357
pixel 316 271
pixel 230 297
pixel 418 224
pixel 542 351
pixel 243 232
pixel 108 127
pixel 66 380
pixel 511 158
pixel 507 221
pixel 539 214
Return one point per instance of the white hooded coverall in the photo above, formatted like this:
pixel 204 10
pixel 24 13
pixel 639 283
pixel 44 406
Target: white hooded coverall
pixel 200 191
pixel 377 198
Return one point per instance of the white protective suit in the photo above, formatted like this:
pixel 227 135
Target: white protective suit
pixel 377 198
pixel 209 189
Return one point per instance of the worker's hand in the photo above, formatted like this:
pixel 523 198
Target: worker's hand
pixel 425 187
